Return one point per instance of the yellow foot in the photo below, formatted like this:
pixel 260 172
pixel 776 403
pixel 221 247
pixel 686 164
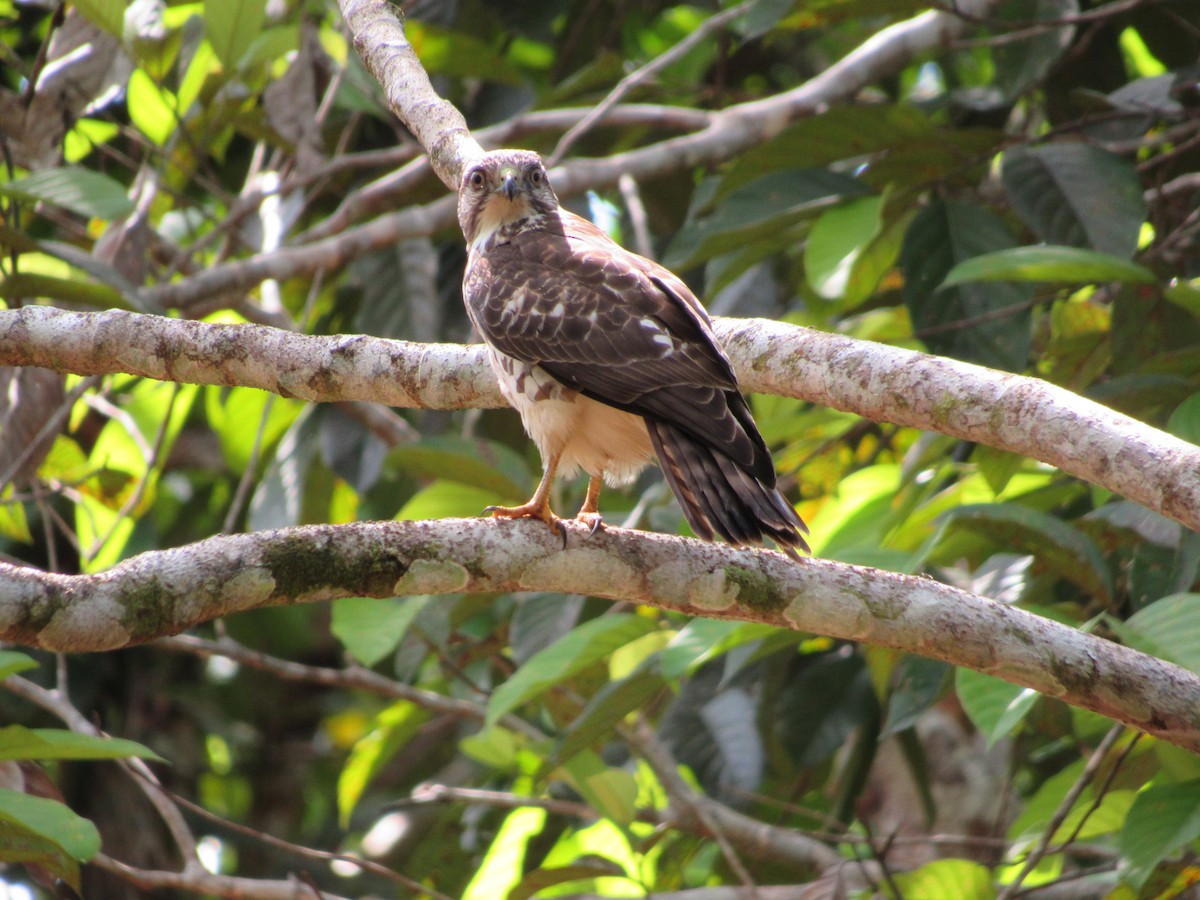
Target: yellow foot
pixel 531 511
pixel 590 520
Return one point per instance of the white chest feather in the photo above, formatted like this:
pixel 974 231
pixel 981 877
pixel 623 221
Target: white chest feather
pixel 584 433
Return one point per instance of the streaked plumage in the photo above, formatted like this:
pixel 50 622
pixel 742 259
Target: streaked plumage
pixel 610 360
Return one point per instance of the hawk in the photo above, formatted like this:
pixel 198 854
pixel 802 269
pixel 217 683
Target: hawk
pixel 610 361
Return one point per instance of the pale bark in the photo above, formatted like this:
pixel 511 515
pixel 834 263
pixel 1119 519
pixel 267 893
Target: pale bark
pixel 886 384
pixel 169 591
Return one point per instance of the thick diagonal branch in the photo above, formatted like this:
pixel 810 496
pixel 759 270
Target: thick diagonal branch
pixel 886 384
pixel 168 591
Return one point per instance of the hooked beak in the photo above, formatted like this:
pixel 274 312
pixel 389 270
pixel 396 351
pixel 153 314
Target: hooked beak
pixel 511 186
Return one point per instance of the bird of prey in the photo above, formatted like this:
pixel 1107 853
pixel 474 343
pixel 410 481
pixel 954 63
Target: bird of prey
pixel 610 360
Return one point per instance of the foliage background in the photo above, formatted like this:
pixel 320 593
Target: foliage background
pixel 186 137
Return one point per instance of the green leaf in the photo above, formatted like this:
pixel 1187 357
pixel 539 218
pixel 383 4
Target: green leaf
pixel 1163 818
pixel 19 844
pixel 611 792
pixel 919 683
pixel 1185 420
pixel 835 245
pixel 151 108
pixel 703 640
pixel 993 705
pixel 108 15
pixel 52 820
pixel 443 499
pixel 504 863
pixel 233 26
pixel 1185 294
pixel 477 462
pixel 1055 544
pixel 393 729
pixel 18 742
pixel 580 648
pixel 1168 628
pixel 81 191
pixel 765 213
pixel 1055 188
pixel 989 324
pixel 946 879
pixel 12 662
pixel 608 707
pixel 370 629
pixel 1066 264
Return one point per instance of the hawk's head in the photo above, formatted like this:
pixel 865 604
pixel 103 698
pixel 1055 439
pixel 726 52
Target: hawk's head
pixel 504 189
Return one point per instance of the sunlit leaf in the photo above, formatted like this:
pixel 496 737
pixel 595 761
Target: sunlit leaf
pixel 946 879
pixel 12 662
pixel 1066 264
pixel 151 108
pixel 503 864
pixel 393 729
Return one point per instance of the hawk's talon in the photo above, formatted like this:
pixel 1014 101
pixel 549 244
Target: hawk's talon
pixel 531 510
pixel 592 520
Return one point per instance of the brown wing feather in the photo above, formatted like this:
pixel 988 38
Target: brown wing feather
pixel 622 330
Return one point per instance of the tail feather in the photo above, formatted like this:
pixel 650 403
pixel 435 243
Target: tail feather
pixel 719 496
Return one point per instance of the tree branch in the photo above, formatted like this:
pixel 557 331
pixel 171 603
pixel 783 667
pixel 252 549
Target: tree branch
pixel 166 592
pixel 886 384
pixel 380 40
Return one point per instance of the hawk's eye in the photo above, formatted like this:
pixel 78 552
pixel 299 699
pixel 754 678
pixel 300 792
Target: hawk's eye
pixel 477 180
pixel 536 176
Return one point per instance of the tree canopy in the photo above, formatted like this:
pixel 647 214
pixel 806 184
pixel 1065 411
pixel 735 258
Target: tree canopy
pixel 260 642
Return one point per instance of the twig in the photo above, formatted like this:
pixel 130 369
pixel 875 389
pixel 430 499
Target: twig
pixel 637 76
pixel 1064 809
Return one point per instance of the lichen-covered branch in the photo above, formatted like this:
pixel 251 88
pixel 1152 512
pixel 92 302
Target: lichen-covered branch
pixel 887 384
pixel 380 40
pixel 168 591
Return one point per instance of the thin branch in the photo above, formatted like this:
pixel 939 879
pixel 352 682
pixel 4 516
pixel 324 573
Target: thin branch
pixel 1064 809
pixel 641 74
pixel 169 591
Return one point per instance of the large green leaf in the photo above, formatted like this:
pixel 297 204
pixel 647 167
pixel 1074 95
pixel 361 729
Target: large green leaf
pixel 18 742
pixel 12 662
pixel 370 629
pixel 1168 628
pixel 920 681
pixel 82 191
pixel 608 707
pixel 993 705
pixel 1055 544
pixel 504 862
pixel 1064 264
pixel 393 728
pixel 945 879
pixel 1077 194
pixel 984 323
pixel 578 649
pixel 611 792
pixel 1163 818
pixel 51 820
pixel 232 26
pixel 763 213
pixel 477 462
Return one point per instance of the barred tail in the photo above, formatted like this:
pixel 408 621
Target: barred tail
pixel 718 495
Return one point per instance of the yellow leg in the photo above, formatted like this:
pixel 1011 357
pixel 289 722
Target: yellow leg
pixel 538 506
pixel 589 513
